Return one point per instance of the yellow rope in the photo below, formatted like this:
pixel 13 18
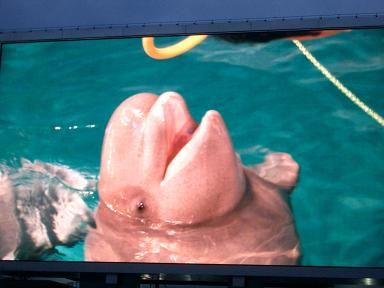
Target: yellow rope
pixel 338 84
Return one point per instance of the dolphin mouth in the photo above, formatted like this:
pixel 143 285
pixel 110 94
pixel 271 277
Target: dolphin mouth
pixel 185 138
pixel 180 140
pixel 180 127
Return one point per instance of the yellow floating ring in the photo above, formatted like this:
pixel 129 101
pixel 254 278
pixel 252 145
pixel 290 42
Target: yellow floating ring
pixel 173 50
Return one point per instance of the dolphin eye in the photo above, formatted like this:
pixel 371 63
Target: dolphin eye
pixel 140 206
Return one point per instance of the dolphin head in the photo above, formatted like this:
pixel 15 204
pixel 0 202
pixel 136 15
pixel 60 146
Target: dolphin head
pixel 175 191
pixel 158 165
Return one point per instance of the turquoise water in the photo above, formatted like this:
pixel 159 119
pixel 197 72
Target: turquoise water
pixel 56 98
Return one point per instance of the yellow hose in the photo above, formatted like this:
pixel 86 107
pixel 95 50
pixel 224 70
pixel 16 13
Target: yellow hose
pixel 173 50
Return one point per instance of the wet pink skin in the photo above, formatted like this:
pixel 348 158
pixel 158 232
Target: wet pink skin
pixel 174 191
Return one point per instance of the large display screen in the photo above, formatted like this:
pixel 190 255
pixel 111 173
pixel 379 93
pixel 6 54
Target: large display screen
pixel 238 151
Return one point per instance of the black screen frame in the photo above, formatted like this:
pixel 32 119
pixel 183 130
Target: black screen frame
pixel 332 274
pixel 69 19
pixel 270 273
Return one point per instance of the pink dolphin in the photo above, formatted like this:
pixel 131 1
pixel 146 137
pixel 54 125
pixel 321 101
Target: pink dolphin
pixel 174 191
